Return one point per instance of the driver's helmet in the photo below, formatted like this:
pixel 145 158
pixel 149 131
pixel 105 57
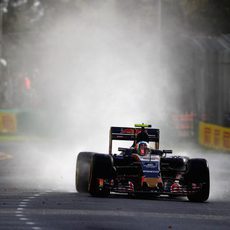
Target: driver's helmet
pixel 142 148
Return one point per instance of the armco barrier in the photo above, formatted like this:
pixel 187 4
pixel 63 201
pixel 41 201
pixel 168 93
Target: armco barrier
pixel 23 122
pixel 214 136
pixel 8 122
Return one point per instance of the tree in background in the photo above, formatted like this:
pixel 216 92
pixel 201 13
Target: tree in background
pixel 207 16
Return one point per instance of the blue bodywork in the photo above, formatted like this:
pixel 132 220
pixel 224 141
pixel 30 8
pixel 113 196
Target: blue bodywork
pixel 151 169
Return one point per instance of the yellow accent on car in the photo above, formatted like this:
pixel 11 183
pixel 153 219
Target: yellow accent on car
pixel 143 125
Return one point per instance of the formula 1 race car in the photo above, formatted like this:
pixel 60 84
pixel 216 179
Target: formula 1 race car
pixel 142 169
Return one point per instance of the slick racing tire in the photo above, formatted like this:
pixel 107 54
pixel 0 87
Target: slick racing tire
pixel 83 171
pixel 198 173
pixel 101 168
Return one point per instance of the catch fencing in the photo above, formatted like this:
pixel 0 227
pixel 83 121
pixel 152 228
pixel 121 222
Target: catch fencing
pixel 212 79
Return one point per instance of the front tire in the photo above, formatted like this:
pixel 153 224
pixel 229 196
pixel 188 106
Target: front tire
pixel 198 173
pixel 83 171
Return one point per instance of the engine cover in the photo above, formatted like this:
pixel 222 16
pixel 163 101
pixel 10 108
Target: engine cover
pixel 174 163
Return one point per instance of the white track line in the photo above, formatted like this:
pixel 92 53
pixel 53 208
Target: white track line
pixel 19 213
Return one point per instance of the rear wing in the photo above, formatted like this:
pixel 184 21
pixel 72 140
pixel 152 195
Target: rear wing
pixel 129 134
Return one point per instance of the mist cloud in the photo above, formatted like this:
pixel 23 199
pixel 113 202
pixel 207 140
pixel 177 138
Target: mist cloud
pixel 101 65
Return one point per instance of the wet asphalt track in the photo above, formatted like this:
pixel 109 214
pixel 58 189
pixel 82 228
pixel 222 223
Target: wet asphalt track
pixel 29 204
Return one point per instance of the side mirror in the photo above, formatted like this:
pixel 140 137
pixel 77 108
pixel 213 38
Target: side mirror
pixel 156 152
pixel 122 149
pixel 167 151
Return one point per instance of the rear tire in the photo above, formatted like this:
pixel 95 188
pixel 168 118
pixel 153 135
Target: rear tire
pixel 198 173
pixel 83 171
pixel 101 168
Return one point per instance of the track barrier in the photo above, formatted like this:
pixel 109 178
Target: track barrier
pixel 214 136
